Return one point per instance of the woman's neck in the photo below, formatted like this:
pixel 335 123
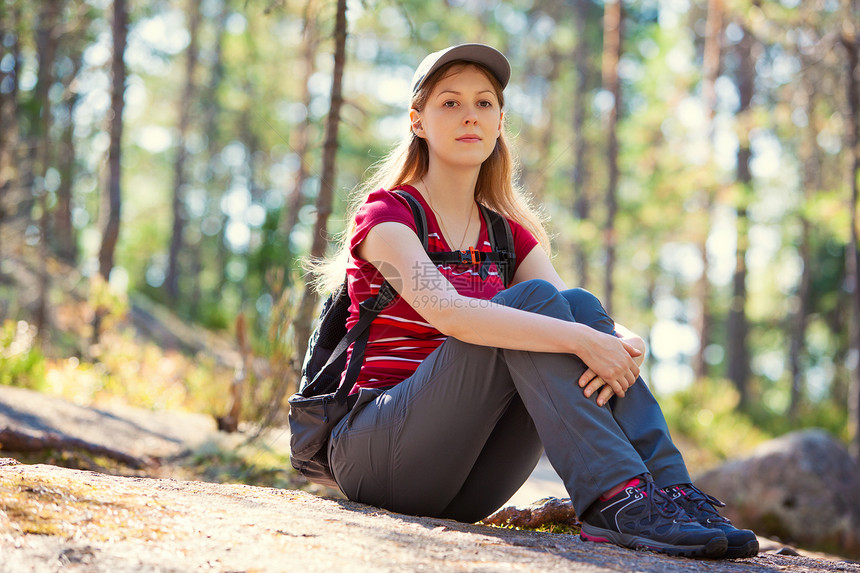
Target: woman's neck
pixel 451 192
pixel 451 196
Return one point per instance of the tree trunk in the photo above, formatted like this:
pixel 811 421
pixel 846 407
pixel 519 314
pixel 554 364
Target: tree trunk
pixel 249 137
pixel 10 19
pixel 211 113
pixel 301 141
pixel 65 240
pixel 538 181
pixel 737 326
pixel 711 63
pixel 330 143
pixel 46 46
pixel 113 199
pixel 171 282
pixel 612 35
pixel 326 191
pixel 41 146
pixel 582 205
pixel 34 163
pixel 811 183
pixel 852 72
pixel 5 116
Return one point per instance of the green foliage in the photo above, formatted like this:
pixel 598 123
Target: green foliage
pixel 252 464
pixel 266 399
pixel 775 421
pixel 106 301
pixel 706 414
pixel 215 315
pixel 273 252
pixel 705 417
pixel 125 366
pixel 561 528
pixel 43 506
pixel 21 361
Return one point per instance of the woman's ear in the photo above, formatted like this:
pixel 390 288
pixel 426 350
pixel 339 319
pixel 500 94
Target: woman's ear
pixel 501 122
pixel 415 120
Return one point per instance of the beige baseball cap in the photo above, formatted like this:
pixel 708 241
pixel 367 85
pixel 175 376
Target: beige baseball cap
pixel 487 56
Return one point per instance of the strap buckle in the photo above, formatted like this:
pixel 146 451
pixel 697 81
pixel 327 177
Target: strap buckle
pixel 471 256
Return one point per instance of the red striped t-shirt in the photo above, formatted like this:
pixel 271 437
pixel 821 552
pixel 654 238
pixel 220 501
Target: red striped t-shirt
pixel 399 337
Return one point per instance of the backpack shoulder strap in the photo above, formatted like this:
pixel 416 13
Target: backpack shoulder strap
pixel 418 215
pixel 502 241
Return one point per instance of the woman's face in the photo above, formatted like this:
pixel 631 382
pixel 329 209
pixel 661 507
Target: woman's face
pixel 462 118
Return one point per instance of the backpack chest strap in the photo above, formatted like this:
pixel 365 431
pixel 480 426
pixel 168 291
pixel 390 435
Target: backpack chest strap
pixel 470 256
pixel 474 257
pixel 499 235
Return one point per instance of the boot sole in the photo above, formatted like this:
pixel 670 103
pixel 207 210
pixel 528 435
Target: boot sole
pixel 715 547
pixel 749 549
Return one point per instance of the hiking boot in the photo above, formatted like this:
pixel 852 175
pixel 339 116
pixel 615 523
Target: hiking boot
pixel 703 508
pixel 643 517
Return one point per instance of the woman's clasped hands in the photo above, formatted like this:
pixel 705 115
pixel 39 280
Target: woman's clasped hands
pixel 611 366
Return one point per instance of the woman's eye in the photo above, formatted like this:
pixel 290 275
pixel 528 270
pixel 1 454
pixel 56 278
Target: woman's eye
pixel 485 103
pixel 450 103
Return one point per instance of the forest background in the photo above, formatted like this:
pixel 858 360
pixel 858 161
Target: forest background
pixel 170 162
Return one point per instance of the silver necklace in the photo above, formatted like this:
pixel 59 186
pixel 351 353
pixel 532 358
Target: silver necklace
pixel 459 246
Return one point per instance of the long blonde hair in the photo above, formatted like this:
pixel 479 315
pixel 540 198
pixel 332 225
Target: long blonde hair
pixel 410 160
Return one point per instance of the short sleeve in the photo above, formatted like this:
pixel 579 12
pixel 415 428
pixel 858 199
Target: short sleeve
pixel 380 207
pixel 524 241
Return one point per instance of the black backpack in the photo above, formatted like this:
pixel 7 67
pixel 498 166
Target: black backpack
pixel 322 400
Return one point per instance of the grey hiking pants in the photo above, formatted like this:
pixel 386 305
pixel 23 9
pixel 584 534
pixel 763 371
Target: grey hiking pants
pixel 464 432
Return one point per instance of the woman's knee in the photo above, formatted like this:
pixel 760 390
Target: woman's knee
pixel 534 295
pixel 530 288
pixel 580 297
pixel 587 309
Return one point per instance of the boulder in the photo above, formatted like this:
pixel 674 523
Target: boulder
pixel 544 513
pixel 803 488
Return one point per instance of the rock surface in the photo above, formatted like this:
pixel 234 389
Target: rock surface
pixel 60 519
pixel 130 431
pixel 803 488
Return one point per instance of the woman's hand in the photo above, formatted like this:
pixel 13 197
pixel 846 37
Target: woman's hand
pixel 591 383
pixel 633 340
pixel 611 366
